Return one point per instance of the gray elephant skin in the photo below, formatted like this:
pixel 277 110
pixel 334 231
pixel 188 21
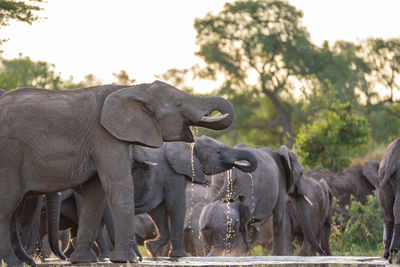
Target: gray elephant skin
pixel 265 191
pixel 223 228
pixel 55 140
pixel 357 181
pixel 388 195
pixel 160 177
pixel 165 202
pixel 319 211
pixel 215 218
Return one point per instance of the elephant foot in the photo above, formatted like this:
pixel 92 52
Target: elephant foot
pixel 83 255
pixel 122 256
pixel 154 247
pixel 386 254
pixel 178 253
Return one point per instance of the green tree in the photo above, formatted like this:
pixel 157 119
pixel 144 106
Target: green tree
pixel 18 11
pixel 333 136
pixel 23 72
pixel 263 40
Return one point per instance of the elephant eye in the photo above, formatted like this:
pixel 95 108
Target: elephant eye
pixel 179 103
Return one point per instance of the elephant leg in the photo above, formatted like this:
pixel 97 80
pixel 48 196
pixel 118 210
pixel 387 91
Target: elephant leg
pixel 306 249
pixel 395 245
pixel 176 208
pixel 93 202
pixel 115 175
pixel 70 248
pixel 282 229
pixel 386 199
pixel 6 251
pixel 102 244
pixel 159 216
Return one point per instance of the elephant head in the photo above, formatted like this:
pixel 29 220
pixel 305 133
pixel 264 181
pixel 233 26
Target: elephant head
pixel 159 112
pixel 370 172
pixel 143 169
pixel 295 188
pixel 209 157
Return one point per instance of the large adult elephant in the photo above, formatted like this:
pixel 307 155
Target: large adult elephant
pixel 357 181
pixel 388 195
pixel 265 191
pixel 55 140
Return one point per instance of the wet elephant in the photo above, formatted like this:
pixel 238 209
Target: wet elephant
pixel 266 192
pixel 55 140
pixel 177 163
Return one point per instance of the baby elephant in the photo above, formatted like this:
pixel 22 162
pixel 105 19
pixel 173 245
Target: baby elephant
pixel 224 228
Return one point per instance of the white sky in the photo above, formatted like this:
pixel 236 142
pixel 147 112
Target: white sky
pixel 148 37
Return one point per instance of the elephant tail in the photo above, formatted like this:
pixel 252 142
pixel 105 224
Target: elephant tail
pixel 53 219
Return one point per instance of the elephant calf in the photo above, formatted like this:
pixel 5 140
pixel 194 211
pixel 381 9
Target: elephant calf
pixel 224 228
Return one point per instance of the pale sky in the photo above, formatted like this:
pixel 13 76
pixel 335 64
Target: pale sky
pixel 148 37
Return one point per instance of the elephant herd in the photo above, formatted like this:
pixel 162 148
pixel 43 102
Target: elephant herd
pixel 106 168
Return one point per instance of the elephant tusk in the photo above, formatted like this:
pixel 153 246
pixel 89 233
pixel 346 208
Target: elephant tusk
pixel 215 118
pixel 243 163
pixel 308 200
pixel 150 163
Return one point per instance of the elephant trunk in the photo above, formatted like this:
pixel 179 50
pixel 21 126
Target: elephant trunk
pixel 250 164
pixel 305 224
pixel 211 104
pixel 53 219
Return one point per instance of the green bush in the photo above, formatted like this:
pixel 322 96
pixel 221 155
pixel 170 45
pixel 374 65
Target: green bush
pixel 332 140
pixel 362 233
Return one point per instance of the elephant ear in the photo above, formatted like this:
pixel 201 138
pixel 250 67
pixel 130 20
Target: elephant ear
pixel 370 172
pixel 285 158
pixel 293 171
pixel 126 116
pixel 179 156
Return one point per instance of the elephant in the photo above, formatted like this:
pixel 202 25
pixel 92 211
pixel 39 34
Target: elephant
pixel 177 163
pixel 197 197
pixel 223 227
pixel 388 193
pixel 55 140
pixel 160 176
pixel 357 181
pixel 266 190
pixel 320 213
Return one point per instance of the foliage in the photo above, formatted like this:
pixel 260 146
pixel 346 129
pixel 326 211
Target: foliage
pixel 331 142
pixel 264 40
pixel 19 11
pixel 362 233
pixel 23 72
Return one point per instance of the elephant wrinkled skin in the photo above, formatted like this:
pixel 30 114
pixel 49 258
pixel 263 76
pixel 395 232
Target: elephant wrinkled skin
pixel 265 192
pixel 55 140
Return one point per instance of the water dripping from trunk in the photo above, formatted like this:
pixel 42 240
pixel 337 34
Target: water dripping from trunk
pixel 229 230
pixel 251 209
pixel 191 145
